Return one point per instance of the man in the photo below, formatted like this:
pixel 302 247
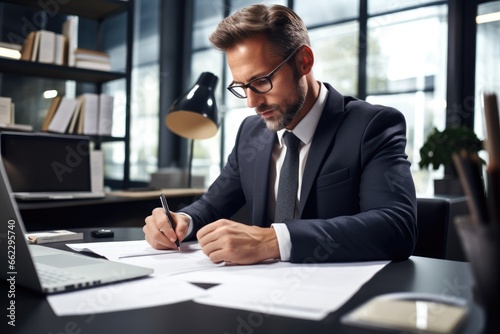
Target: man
pixel 355 199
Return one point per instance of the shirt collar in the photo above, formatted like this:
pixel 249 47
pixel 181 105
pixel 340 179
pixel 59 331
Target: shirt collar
pixel 307 126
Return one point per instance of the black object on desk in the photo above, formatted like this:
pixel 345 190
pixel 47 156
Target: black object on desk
pixel 102 233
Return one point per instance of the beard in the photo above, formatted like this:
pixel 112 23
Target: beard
pixel 287 112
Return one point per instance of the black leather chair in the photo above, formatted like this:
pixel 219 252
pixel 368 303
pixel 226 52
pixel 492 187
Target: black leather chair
pixel 433 219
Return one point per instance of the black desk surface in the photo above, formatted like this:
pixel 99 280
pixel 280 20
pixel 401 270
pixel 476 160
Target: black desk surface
pixel 418 274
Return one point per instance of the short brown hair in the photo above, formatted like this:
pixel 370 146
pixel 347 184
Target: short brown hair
pixel 282 27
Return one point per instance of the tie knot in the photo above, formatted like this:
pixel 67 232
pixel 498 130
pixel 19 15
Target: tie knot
pixel 291 140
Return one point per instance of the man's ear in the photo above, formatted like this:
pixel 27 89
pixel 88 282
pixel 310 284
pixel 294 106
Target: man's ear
pixel 305 60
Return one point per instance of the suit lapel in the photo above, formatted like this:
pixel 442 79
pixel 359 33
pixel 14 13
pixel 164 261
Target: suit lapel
pixel 267 139
pixel 329 122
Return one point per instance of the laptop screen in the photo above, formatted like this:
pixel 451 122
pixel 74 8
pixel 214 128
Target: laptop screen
pixel 37 162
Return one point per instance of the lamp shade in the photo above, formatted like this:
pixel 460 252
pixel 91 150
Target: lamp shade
pixel 194 114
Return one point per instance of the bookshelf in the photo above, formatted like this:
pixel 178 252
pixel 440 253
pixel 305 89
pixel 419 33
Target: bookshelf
pixel 99 11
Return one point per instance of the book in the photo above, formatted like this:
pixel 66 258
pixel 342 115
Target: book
pixel 92 65
pixel 50 113
pixel 70 30
pixel 36 43
pixel 46 47
pixel 16 127
pixel 27 49
pixel 6 110
pixel 75 118
pixel 106 106
pixel 11 46
pixel 63 114
pixel 60 50
pixel 97 170
pixel 90 110
pixel 10 50
pixel 92 55
pixel 53 236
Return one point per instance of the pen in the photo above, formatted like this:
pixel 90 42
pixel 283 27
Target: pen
pixel 164 204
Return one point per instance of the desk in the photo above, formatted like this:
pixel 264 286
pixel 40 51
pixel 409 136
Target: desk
pixel 418 274
pixel 111 211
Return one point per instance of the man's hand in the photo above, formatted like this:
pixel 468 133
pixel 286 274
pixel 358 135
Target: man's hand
pixel 232 242
pixel 158 232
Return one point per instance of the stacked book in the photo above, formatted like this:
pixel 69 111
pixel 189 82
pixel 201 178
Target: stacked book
pixel 7 116
pixel 10 50
pixel 88 114
pixel 91 59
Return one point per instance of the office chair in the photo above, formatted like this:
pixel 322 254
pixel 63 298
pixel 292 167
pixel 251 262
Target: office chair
pixel 433 216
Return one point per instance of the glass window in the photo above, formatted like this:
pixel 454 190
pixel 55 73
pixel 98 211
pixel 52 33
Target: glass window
pixel 487 59
pixel 206 16
pixel 238 4
pixel 379 6
pixel 113 160
pixel 407 55
pixel 407 45
pixel 325 11
pixel 336 56
pixel 144 102
pixel 145 122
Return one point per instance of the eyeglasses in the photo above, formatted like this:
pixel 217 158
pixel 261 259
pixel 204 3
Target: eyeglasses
pixel 260 85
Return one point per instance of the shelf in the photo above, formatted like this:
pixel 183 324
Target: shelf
pixel 52 71
pixel 98 11
pixel 106 139
pixel 92 9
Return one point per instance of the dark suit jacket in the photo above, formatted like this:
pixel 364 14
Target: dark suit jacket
pixel 357 200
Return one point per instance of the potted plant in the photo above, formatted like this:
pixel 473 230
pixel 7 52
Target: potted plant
pixel 438 149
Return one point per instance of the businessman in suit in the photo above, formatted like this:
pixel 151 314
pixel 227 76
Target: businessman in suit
pixel 354 199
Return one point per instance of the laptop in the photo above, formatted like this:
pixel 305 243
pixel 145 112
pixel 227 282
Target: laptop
pixel 43 166
pixel 45 269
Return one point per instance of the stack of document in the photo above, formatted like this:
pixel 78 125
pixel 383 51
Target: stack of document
pixel 307 291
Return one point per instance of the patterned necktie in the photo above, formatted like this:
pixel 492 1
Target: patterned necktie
pixel 289 180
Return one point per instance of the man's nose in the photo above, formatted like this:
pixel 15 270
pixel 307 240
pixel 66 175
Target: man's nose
pixel 254 99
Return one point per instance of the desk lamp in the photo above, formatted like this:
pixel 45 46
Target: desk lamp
pixel 194 114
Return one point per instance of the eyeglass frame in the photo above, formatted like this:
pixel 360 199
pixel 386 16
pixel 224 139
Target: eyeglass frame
pixel 266 77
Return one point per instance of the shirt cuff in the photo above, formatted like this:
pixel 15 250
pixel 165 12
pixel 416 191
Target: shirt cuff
pixel 284 241
pixel 190 227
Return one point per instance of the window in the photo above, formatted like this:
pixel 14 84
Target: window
pixel 487 58
pixel 406 56
pixel 144 108
pixel 406 69
pixel 336 56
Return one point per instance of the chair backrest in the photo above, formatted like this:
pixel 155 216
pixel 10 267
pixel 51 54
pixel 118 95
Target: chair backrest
pixel 433 216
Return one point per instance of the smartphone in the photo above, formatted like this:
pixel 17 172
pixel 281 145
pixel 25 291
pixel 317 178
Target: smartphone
pixel 418 313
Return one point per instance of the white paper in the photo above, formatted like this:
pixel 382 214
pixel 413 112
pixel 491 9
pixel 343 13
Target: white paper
pixel 148 292
pixel 140 253
pixel 309 291
pixel 115 250
pixel 174 263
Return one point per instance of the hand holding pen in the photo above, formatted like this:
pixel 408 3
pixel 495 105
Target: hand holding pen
pixel 164 204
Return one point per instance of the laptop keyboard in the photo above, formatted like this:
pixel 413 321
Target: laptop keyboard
pixel 52 277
